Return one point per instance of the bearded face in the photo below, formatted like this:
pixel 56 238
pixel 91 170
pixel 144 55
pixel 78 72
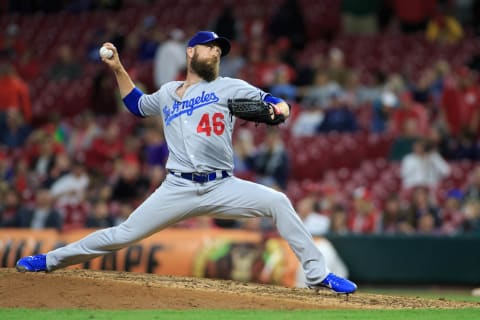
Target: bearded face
pixel 206 68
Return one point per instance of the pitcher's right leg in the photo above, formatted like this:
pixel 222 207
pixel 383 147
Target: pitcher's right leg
pixel 170 203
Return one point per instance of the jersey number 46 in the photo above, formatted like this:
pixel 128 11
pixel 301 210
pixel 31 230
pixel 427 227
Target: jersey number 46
pixel 216 124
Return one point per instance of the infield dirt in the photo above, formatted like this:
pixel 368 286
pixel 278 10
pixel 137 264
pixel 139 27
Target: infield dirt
pixel 86 289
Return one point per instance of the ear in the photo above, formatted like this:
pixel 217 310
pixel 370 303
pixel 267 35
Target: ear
pixel 190 52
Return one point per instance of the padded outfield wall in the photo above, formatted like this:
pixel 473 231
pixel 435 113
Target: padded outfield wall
pixel 248 256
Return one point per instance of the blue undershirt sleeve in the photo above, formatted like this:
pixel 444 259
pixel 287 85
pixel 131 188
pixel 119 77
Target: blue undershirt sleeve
pixel 271 99
pixel 131 101
pixel 274 100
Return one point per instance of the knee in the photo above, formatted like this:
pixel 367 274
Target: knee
pixel 280 201
pixel 123 235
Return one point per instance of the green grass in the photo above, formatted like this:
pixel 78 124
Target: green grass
pixel 417 314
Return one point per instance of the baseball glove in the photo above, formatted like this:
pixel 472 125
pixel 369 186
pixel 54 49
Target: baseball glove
pixel 255 110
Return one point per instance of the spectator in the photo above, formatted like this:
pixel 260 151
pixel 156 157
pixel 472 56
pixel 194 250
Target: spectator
pixel 66 66
pixel 330 197
pixel 169 58
pixel 254 24
pixel 409 110
pixel 124 211
pixel 99 190
pixel 14 132
pixel 69 192
pixel 112 32
pixel 383 108
pixel 6 171
pixel 275 69
pixel 253 69
pixel 460 103
pixel 358 94
pixel 270 162
pixel 364 217
pixel 156 175
pixel 442 72
pixel 156 149
pixel 307 70
pixel 243 148
pixel 308 121
pixel 281 86
pixel 439 140
pixel 43 163
pixel 22 180
pixel 394 217
pixel 105 149
pixel 426 225
pixel 288 22
pixel 339 220
pixel 461 147
pixel 226 24
pixel 286 53
pixel 85 131
pixel 317 224
pixel 151 38
pixel 424 90
pixel 61 166
pixel 423 214
pixel 424 167
pixel 100 217
pixel 9 209
pixel 59 127
pixel 71 187
pixel 28 66
pixel 103 99
pixel 131 185
pixel 444 28
pixel 338 116
pixel 231 64
pixel 320 93
pixel 452 215
pixel 11 44
pixel 427 90
pixel 472 190
pixel 471 211
pixel 14 92
pixel 337 70
pixel 42 215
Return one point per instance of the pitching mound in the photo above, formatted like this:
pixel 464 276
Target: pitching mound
pixel 87 289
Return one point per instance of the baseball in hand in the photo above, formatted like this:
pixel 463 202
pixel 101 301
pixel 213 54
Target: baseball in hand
pixel 106 53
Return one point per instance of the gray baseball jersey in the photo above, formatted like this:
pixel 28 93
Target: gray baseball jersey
pixel 198 130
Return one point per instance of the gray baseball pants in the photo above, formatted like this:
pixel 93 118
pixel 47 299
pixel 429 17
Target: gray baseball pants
pixel 178 198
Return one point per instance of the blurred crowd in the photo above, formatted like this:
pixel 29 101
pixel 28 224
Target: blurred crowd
pixel 92 169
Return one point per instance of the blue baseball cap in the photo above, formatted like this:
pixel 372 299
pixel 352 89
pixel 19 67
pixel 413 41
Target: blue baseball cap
pixel 203 37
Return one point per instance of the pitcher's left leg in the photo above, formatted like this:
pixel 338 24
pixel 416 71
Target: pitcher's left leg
pixel 235 198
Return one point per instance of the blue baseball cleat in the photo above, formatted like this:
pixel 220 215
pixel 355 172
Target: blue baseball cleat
pixel 336 284
pixel 32 263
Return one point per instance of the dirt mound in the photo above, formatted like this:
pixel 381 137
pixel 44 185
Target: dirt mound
pixel 88 289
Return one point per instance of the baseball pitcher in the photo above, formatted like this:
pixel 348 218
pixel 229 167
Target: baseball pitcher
pixel 199 115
